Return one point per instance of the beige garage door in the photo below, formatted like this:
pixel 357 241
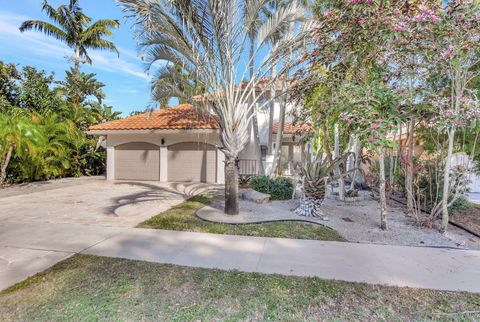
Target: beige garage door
pixel 137 161
pixel 192 161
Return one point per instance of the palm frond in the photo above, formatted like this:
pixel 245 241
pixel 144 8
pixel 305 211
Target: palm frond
pixel 44 27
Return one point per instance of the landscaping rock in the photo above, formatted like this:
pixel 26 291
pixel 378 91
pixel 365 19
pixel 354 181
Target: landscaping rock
pixel 254 196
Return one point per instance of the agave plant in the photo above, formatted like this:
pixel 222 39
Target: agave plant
pixel 315 175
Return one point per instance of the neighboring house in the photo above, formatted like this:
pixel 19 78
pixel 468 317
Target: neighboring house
pixel 182 143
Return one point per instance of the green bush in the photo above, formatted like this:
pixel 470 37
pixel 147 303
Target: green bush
pixel 280 188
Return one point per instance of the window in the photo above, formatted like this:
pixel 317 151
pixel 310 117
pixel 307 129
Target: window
pixel 264 150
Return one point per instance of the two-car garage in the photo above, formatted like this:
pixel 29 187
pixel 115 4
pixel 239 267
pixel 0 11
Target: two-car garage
pixel 185 161
pixel 176 144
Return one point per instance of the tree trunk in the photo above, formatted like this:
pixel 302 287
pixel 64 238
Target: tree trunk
pixel 383 197
pixel 326 141
pixel 446 180
pixel 336 152
pixel 256 139
pixel 390 165
pixel 356 166
pixel 278 139
pixel 231 186
pixel 77 57
pixel 351 149
pixel 4 165
pixel 409 167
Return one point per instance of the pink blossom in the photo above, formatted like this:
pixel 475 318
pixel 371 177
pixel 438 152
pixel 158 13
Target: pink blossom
pixel 375 126
pixel 448 54
pixel 399 28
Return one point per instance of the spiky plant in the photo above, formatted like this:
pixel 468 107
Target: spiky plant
pixel 316 174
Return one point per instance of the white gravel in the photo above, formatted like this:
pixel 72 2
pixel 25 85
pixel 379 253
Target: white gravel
pixel 356 221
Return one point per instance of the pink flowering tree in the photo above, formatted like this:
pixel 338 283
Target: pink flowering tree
pixel 455 55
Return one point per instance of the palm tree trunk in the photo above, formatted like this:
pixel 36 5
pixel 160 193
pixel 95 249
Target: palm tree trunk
pixel 256 138
pixel 383 197
pixel 231 185
pixel 446 180
pixel 409 167
pixel 77 58
pixel 4 164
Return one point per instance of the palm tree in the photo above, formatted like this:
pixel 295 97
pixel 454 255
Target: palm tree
pixel 207 39
pixel 173 81
pixel 75 29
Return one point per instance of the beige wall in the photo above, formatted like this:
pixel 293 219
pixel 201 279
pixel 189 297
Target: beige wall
pixel 170 137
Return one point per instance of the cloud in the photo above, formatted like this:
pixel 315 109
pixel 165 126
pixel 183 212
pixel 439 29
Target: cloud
pixel 128 91
pixel 38 44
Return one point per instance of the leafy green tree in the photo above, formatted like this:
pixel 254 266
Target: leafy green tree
pixel 35 92
pixel 78 86
pixel 9 78
pixel 72 27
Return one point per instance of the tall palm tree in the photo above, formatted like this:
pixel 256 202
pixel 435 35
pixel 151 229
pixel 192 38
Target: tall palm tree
pixel 74 28
pixel 207 39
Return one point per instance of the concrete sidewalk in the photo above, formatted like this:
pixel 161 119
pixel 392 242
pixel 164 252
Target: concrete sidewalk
pixel 419 267
pixel 434 268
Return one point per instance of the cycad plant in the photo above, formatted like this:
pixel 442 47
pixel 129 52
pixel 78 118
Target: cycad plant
pixel 75 29
pixel 315 175
pixel 208 39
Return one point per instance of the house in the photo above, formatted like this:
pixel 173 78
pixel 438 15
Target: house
pixel 182 144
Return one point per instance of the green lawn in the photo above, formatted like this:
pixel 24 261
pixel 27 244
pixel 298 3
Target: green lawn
pixel 182 217
pixel 88 288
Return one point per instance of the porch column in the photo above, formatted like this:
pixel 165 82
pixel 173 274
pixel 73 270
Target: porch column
pixel 163 164
pixel 290 158
pixel 110 163
pixel 220 167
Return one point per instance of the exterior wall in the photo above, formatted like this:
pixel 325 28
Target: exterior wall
pixel 169 138
pixel 263 116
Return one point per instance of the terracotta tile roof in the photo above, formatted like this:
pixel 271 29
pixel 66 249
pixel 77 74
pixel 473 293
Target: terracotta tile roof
pixel 289 128
pixel 183 116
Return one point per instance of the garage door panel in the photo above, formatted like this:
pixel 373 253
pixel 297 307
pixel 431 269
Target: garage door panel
pixel 137 161
pixel 192 161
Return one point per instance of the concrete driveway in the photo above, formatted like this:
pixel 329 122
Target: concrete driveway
pixel 43 223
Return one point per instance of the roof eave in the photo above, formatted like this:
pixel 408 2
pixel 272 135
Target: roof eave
pixel 151 131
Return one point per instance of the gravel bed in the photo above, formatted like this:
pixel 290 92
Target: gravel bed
pixel 356 221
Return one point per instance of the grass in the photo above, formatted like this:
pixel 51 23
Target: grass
pixel 89 288
pixel 182 217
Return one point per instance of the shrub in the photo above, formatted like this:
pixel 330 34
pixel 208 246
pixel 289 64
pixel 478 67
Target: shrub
pixel 280 188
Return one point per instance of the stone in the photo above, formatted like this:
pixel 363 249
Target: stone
pixel 254 196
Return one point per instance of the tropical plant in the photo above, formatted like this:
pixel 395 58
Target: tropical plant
pixel 75 29
pixel 315 175
pixel 78 86
pixel 56 146
pixel 173 82
pixel 17 135
pixel 207 39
